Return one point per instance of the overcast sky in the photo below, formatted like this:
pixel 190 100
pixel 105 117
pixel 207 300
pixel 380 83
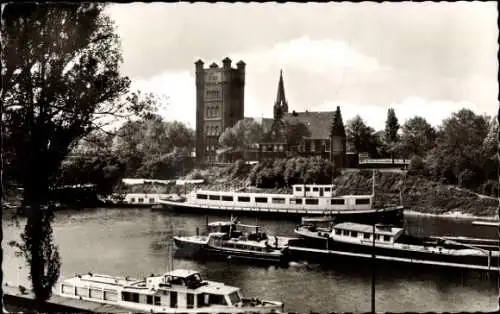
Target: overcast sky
pixel 429 59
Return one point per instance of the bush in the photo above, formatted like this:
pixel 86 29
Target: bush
pixel 417 166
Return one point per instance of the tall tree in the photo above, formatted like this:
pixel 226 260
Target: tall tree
pixel 361 136
pixel 60 78
pixel 459 146
pixel 391 132
pixel 418 137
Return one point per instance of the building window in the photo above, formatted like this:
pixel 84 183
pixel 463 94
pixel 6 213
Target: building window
pixel 313 146
pixel 327 146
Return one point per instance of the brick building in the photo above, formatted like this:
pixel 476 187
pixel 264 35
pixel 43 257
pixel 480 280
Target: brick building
pixel 219 104
pixel 303 133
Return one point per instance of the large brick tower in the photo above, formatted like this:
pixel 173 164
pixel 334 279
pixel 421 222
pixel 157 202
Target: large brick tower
pixel 220 93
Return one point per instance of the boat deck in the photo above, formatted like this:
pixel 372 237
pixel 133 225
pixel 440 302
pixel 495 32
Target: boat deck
pixel 12 295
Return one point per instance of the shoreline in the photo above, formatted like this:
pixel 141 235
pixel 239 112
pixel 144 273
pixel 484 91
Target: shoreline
pixel 451 214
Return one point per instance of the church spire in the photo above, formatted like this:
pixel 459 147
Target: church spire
pixel 281 105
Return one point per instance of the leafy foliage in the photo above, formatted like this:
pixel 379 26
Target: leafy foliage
pixel 391 137
pixel 361 136
pixel 286 172
pixel 60 81
pixel 243 134
pixel 418 137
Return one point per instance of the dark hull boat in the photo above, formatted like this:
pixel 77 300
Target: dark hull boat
pixel 391 244
pixel 226 241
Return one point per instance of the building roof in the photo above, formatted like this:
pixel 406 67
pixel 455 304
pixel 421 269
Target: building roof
pixel 318 123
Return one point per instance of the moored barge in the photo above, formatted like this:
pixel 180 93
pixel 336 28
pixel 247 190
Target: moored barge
pixel 388 243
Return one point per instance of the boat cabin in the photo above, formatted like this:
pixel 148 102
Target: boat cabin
pixel 313 190
pixel 352 231
pixel 178 289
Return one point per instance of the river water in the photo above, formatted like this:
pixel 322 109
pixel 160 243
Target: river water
pixel 135 242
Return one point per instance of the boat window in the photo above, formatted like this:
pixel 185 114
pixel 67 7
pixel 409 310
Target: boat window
pixel 140 200
pixel 201 300
pixel 327 189
pixel 227 198
pixel 298 189
pixel 345 232
pixel 261 199
pixel 132 200
pixel 190 300
pixel 243 199
pixel 338 231
pixel 379 237
pixel 296 201
pixel 312 201
pixel 366 236
pixel 201 196
pixel 217 299
pixel 173 299
pixel 234 298
pixel 278 201
pixel 337 201
pixel 110 296
pixel 80 291
pixel 68 289
pixel 307 189
pixel 149 299
pixel 151 200
pixel 315 189
pixel 354 234
pixel 362 201
pixel 130 297
pixel 96 294
pixel 387 238
pixel 214 197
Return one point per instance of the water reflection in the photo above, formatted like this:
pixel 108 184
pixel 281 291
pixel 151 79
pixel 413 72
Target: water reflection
pixel 134 242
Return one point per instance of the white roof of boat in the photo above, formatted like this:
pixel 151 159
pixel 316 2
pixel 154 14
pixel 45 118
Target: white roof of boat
pixel 366 228
pixel 183 273
pixel 220 223
pixel 216 287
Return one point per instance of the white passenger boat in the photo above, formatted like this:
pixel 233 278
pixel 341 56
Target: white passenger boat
pixel 178 291
pixel 305 200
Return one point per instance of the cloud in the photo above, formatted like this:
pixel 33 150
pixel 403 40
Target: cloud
pixel 316 56
pixel 179 87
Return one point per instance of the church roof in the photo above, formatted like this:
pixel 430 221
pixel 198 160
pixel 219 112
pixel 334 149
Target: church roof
pixel 280 95
pixel 319 123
